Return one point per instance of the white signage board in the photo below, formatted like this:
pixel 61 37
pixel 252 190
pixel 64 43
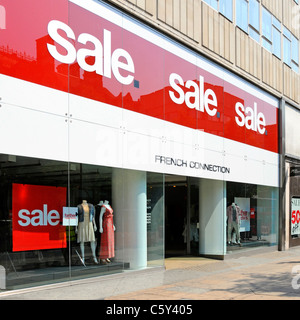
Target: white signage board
pixel 244 204
pixel 70 217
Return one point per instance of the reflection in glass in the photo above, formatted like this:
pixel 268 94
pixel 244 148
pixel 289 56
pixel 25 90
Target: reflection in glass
pixel 33 193
pixel 155 219
pixel 61 221
pixel 258 215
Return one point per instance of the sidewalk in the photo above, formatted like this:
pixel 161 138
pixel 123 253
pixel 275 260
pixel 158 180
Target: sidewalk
pixel 256 274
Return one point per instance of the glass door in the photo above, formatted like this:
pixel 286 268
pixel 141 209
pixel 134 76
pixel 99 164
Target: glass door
pixel 181 216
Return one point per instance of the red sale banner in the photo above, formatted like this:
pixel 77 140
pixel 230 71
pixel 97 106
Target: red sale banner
pixel 72 49
pixel 37 217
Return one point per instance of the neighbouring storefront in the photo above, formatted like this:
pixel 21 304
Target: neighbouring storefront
pixel 292 177
pixel 122 147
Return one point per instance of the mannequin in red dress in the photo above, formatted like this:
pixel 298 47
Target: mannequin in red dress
pixel 107 229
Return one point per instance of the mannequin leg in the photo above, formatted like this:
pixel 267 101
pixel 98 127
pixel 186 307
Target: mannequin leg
pixel 93 248
pixel 229 233
pixel 238 237
pixel 82 250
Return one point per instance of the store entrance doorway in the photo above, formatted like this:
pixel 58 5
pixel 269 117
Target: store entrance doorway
pixel 181 216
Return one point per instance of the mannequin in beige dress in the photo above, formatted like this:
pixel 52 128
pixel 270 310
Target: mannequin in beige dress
pixel 86 228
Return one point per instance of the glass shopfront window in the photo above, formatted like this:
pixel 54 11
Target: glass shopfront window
pixel 64 221
pixel 294 204
pixel 128 107
pixel 251 216
pixel 155 219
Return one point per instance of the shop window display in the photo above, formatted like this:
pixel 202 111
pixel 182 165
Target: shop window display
pixel 86 228
pixel 107 229
pixel 155 219
pixel 251 216
pixel 294 185
pixel 233 223
pixel 57 221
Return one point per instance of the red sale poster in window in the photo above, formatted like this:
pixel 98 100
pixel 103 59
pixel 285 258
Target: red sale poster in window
pixel 295 216
pixel 37 216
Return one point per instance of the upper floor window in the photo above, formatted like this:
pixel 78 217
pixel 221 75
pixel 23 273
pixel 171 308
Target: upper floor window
pixel 262 26
pixel 267 25
pixel 271 33
pixel 242 14
pixel 247 17
pixel 254 22
pixel 223 6
pixel 276 37
pixel 212 3
pixel 295 54
pixel 290 50
pixel 287 38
